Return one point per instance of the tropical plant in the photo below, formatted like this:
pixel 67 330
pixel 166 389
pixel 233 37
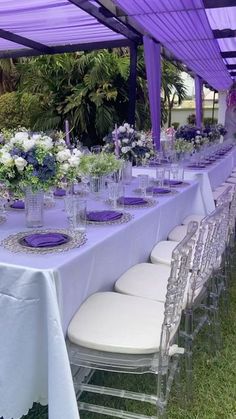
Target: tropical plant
pixel 172 85
pixel 8 75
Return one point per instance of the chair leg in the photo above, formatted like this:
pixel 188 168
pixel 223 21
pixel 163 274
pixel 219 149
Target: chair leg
pixel 188 353
pixel 162 382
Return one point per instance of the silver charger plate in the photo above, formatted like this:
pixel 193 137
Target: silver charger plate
pixel 126 217
pixel 2 219
pixel 14 242
pixel 158 195
pixel 150 203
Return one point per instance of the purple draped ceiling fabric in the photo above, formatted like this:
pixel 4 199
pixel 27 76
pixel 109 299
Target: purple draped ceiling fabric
pixel 152 53
pixel 198 100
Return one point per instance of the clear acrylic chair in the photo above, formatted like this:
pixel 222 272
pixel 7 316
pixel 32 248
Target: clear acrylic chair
pixel 120 333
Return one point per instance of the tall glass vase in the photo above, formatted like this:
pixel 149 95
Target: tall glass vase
pixel 96 185
pixel 34 203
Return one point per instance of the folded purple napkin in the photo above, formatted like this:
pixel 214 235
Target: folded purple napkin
pixel 45 239
pixel 18 204
pixel 197 166
pixel 158 190
pixel 60 192
pixel 102 216
pixel 125 200
pixel 153 164
pixel 173 182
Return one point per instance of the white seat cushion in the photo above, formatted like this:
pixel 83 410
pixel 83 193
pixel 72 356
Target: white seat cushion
pixel 178 233
pixel 119 323
pixel 193 217
pixel 162 252
pixel 233 174
pixel 231 180
pixel 145 280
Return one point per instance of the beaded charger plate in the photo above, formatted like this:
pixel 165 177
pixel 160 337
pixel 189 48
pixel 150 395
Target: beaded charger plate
pixel 47 205
pixel 147 204
pixel 2 219
pixel 182 184
pixel 125 218
pixel 16 242
pixel 158 194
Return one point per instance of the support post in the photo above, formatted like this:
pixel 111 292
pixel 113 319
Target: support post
pixel 152 53
pixel 222 106
pixel 198 101
pixel 132 84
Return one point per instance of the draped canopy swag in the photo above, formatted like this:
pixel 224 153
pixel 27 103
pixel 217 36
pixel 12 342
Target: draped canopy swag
pixel 200 33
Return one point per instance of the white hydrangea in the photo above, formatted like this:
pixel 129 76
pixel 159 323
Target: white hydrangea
pixel 46 142
pixel 27 144
pixel 131 130
pixel 76 152
pixel 73 161
pixel 126 126
pixel 140 143
pixel 125 140
pixel 21 136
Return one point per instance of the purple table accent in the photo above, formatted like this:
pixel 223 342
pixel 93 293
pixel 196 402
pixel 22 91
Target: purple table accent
pixel 60 192
pixel 102 216
pixel 45 239
pixel 125 200
pixel 158 190
pixel 18 205
pixel 172 182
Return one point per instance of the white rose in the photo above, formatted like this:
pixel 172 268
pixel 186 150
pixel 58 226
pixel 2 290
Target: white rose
pixel 6 158
pixel 131 130
pixel 122 129
pixel 140 143
pixel 126 125
pixel 73 161
pixel 133 144
pixel 125 140
pixel 147 155
pixel 125 149
pixel 63 155
pixel 76 152
pixel 198 132
pixel 20 163
pixel 46 142
pixel 142 137
pixel 28 144
pixel 21 136
pixel 36 137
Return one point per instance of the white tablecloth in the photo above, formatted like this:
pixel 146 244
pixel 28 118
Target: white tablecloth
pixel 40 294
pixel 209 178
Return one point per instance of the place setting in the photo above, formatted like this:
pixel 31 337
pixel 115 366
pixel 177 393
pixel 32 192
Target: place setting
pixel 44 241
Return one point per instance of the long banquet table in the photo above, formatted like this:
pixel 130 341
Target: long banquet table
pixel 40 293
pixel 209 178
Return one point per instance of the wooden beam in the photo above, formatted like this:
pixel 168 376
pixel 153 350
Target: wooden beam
pixel 215 4
pixel 66 48
pixel 26 42
pixel 228 54
pixel 233 73
pixel 109 22
pixel 231 66
pixel 132 84
pixel 224 33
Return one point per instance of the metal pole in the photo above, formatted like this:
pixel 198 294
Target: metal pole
pixel 132 84
pixel 198 101
pixel 213 108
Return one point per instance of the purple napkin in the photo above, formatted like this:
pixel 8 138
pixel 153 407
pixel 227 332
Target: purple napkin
pixel 45 239
pixel 158 190
pixel 18 205
pixel 102 216
pixel 124 200
pixel 197 166
pixel 60 192
pixel 173 182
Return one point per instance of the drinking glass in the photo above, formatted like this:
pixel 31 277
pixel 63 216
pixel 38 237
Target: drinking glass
pixel 143 183
pixel 68 208
pixel 167 177
pixel 79 214
pixel 174 171
pixel 160 175
pixel 115 191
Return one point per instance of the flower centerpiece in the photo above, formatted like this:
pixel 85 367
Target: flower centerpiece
pixel 182 146
pixel 96 166
pixel 31 164
pixel 193 135
pixel 133 145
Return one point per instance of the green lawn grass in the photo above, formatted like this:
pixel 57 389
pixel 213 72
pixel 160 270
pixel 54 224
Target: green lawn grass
pixel 214 380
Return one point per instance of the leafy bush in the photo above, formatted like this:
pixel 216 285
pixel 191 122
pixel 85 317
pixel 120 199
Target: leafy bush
pixel 191 119
pixel 18 110
pixel 208 121
pixel 175 125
